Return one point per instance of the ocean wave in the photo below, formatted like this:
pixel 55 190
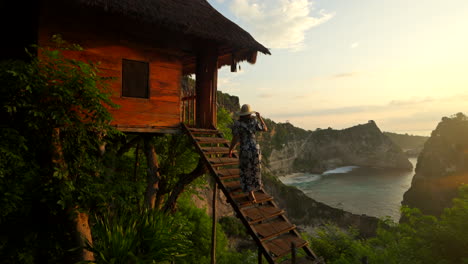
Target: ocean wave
pixel 300 178
pixel 345 169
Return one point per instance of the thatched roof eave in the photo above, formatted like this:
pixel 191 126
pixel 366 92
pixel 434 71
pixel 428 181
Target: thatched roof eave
pixel 194 18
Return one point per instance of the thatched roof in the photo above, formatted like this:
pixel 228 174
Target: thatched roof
pixel 196 18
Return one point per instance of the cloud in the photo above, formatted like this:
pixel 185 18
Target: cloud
pixel 344 75
pixel 414 104
pixel 354 45
pixel 279 24
pixel 412 101
pixel 265 95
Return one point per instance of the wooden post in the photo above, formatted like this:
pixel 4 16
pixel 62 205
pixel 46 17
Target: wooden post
pixel 260 256
pixel 213 234
pixel 206 86
pixel 293 253
pixel 364 260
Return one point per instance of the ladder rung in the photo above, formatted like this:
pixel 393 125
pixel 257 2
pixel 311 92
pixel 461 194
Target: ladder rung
pixel 216 162
pixel 281 246
pixel 233 185
pixel 261 213
pixel 273 229
pixel 215 150
pixel 225 174
pixel 203 131
pixel 243 198
pixel 211 140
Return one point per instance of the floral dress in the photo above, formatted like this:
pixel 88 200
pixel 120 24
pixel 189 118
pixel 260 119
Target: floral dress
pixel 249 155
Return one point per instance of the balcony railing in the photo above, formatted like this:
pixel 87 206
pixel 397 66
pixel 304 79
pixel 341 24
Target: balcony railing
pixel 189 102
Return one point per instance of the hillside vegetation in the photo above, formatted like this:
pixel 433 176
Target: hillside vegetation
pixel 406 141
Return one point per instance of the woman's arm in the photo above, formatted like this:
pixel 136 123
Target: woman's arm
pixel 234 141
pixel 265 128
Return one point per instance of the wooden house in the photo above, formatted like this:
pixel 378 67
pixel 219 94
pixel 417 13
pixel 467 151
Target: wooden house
pixel 147 45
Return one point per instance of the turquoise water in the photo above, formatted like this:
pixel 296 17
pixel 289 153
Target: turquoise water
pixel 370 191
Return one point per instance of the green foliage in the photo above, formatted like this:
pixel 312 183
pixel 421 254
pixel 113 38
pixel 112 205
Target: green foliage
pixel 224 122
pixel 228 102
pixel 201 225
pixel 420 239
pixel 339 246
pixel 406 141
pixel 145 237
pixel 233 227
pixel 44 173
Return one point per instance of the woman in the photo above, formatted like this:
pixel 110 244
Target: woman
pixel 243 131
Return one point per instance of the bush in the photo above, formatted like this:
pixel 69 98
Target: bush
pixel 420 239
pixel 146 237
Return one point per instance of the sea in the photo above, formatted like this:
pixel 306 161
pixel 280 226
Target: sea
pixel 359 190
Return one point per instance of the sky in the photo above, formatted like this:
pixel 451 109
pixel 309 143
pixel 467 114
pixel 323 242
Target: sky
pixel 339 63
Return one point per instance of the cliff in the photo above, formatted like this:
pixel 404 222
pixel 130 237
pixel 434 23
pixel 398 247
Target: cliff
pixel 306 151
pixel 308 213
pixel 442 167
pixel 228 102
pixel 286 149
pixel 412 145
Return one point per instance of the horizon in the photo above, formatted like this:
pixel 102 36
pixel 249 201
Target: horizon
pixel 383 131
pixel 336 64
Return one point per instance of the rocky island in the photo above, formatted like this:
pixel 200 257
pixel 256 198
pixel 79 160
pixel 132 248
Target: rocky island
pixel 442 167
pixel 324 149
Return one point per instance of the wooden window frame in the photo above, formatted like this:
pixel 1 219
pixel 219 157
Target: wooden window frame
pixel 148 90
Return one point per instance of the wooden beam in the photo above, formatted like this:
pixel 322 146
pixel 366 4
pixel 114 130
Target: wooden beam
pixel 206 86
pixel 150 130
pixel 213 231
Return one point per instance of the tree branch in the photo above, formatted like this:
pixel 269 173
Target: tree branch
pixel 128 145
pixel 184 180
pixel 153 175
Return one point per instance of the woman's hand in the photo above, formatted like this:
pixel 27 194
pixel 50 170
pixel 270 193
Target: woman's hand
pixel 265 128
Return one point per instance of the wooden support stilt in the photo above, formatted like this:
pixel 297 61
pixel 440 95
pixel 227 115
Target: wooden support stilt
pixel 293 253
pixel 260 256
pixel 213 234
pixel 206 86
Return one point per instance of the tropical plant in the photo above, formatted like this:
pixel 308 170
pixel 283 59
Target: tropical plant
pixel 148 236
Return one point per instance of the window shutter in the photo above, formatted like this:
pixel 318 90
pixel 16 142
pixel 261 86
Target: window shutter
pixel 135 75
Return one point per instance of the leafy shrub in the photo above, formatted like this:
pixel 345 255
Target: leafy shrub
pixel 420 239
pixel 146 237
pixel 233 227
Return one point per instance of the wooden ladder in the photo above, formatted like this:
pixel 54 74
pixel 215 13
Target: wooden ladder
pixel 265 221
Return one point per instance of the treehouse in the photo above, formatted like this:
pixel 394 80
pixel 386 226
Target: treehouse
pixel 147 46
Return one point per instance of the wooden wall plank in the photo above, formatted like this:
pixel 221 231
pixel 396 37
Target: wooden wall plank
pixel 162 108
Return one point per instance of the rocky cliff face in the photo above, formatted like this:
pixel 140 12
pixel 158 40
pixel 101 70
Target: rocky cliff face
pixel 442 167
pixel 412 145
pixel 287 149
pixel 308 213
pixel 321 150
